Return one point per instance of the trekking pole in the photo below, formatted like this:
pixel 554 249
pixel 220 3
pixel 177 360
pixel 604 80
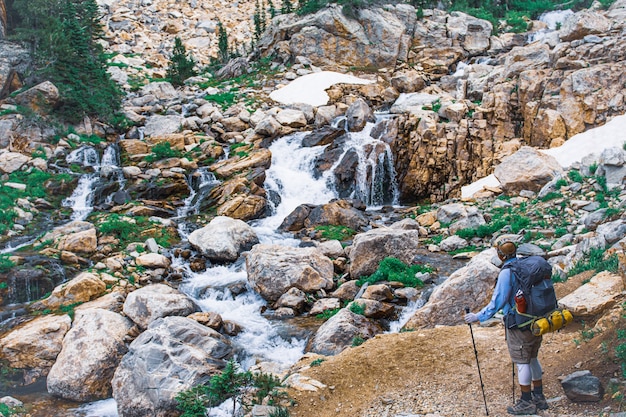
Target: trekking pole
pixel 506 337
pixel 482 386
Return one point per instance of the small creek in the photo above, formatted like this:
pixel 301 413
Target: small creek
pixel 292 181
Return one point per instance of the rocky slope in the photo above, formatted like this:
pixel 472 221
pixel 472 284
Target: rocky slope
pixel 111 277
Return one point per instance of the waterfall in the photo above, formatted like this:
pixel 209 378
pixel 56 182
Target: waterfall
pixel 553 20
pixel 375 179
pixel 200 183
pixel 82 199
pixel 290 181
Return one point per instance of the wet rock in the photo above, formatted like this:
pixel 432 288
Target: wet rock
pixel 223 239
pixel 92 349
pixel 274 269
pixel 358 114
pixel 152 302
pixel 35 345
pixel 371 247
pixel 322 136
pixel 172 355
pixel 338 332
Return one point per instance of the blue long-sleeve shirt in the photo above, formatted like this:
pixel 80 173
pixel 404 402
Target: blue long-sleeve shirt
pixel 502 298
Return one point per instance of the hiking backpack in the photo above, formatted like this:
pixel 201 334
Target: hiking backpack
pixel 532 280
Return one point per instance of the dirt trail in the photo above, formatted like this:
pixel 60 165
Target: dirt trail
pixel 433 372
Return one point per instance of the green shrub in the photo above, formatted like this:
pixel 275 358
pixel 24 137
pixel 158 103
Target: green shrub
pixel 357 308
pixel 517 21
pixel 229 384
pixel 393 269
pixel 317 362
pixel 118 226
pixel 333 232
pixel 561 182
pixel 162 150
pixel 326 314
pixel 224 100
pixel 6 264
pixel 593 168
pixel 575 176
pixel 357 340
pixel 560 231
pixel 551 196
pixel 595 261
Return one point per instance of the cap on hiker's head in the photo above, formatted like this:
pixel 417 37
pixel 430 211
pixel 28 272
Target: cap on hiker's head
pixel 506 250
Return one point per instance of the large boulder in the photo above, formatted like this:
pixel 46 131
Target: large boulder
pixel 152 302
pixel 224 239
pixel 92 349
pixel 158 125
pixel 358 114
pixel 527 169
pixel 338 212
pixel 35 345
pixel 583 23
pixel 338 332
pixel 84 241
pixel 470 286
pixel 582 386
pixel 274 269
pixel 15 59
pixel 371 247
pixel 84 287
pixel 376 37
pixel 259 158
pixel 12 161
pixel 40 98
pixel 172 355
pixel 471 33
pixel 594 297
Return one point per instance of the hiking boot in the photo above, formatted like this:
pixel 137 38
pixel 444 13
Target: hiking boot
pixel 540 401
pixel 521 408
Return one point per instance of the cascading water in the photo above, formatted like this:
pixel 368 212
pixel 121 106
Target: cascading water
pixel 82 199
pixel 553 20
pixel 200 183
pixel 290 182
pixel 375 177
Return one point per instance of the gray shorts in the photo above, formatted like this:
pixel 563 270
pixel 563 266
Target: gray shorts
pixel 523 345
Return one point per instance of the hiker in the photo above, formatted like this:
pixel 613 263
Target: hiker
pixel 523 345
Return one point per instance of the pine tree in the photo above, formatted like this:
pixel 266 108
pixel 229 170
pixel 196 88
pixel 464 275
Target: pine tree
pixel 258 23
pixel 63 36
pixel 181 64
pixel 222 43
pixel 272 9
pixel 287 7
